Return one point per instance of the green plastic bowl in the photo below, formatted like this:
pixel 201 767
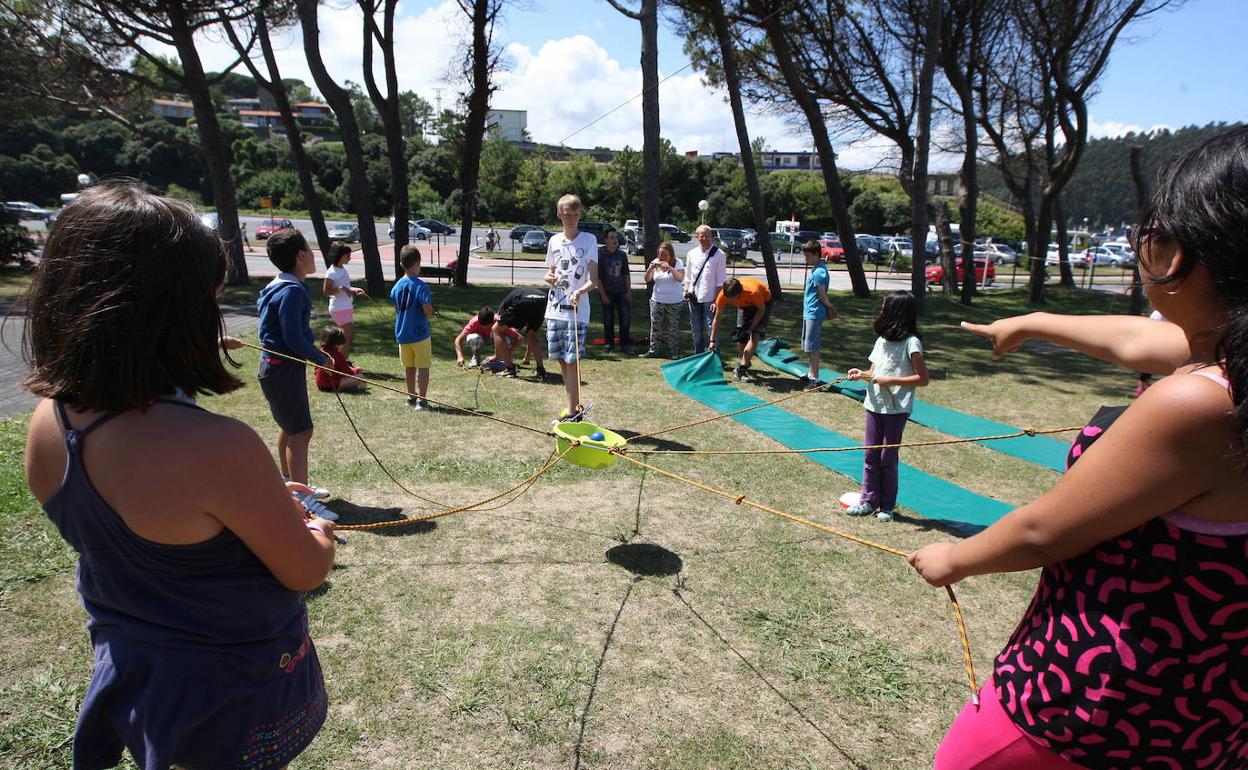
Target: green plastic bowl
pixel 590 453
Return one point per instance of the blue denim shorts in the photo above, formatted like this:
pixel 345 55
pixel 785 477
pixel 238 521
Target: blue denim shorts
pixel 812 333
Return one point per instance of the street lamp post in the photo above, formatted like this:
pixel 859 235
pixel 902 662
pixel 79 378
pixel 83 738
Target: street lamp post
pixel 703 206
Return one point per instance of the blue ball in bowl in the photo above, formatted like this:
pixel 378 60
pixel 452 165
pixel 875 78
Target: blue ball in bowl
pixel 596 436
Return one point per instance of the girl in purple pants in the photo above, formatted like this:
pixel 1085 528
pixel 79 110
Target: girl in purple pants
pixel 897 368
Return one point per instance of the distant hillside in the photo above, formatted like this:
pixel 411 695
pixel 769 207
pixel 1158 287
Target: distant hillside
pixel 1101 188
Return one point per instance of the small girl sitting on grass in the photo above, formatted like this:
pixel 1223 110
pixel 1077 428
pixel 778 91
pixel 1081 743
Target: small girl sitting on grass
pixel 897 368
pixel 333 343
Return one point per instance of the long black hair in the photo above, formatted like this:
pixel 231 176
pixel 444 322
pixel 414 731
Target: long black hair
pixel 1200 202
pixel 898 317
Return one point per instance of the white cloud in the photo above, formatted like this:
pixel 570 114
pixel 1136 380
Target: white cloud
pixel 1114 128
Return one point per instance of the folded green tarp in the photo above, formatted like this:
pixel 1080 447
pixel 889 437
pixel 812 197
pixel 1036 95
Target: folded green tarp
pixel 1040 450
pixel 701 377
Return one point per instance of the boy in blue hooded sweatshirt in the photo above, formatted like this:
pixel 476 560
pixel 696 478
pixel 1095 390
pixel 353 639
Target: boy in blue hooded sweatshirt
pixel 285 307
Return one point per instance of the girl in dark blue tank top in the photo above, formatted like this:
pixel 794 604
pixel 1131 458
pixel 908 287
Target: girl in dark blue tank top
pixel 192 558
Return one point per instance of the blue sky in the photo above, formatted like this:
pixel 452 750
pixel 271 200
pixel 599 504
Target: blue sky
pixel 573 61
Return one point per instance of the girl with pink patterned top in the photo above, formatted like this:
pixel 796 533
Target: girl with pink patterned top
pixel 1134 651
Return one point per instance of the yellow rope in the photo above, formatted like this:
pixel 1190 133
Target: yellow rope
pixel 383 386
pixel 743 500
pixel 1020 433
pixel 526 484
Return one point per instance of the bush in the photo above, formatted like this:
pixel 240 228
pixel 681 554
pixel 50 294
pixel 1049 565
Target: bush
pixel 183 194
pixel 16 245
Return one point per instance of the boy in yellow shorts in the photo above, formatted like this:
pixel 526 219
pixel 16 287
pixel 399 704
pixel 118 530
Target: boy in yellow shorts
pixel 413 307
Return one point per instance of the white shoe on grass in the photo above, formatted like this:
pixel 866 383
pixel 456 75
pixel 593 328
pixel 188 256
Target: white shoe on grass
pixel 314 506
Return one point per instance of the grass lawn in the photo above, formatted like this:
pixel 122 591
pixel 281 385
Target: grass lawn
pixel 508 639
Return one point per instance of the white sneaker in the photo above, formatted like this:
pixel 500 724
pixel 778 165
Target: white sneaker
pixel 314 507
pixel 320 493
pixel 475 362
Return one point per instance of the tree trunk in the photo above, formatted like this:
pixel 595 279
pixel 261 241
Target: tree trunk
pixel 474 133
pixel 387 105
pixel 340 102
pixel 216 152
pixel 1039 225
pixel 823 147
pixel 922 141
pixel 968 185
pixel 944 240
pixel 1141 205
pixel 732 77
pixel 651 140
pixel 293 137
pixel 1063 238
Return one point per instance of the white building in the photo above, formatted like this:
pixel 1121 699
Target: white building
pixel 507 124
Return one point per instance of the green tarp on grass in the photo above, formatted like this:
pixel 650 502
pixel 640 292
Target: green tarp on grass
pixel 1041 450
pixel 701 377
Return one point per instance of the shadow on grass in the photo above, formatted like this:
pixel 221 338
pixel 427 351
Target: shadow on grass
pixel 593 685
pixel 763 678
pixel 350 513
pixel 654 441
pixel 645 559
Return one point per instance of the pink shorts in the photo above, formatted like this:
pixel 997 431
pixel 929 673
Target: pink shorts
pixel 342 317
pixel 987 739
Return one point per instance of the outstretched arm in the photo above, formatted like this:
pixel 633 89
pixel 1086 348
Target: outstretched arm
pixel 1132 342
pixel 1175 435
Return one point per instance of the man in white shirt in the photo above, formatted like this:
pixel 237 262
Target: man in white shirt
pixel 706 269
pixel 572 272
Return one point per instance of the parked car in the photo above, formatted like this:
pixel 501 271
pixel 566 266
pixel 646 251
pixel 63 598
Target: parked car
pixel 999 252
pixel 782 242
pixel 517 232
pixel 535 239
pixel 901 241
pixel 598 229
pixel 985 272
pixel 26 210
pixel 750 235
pixel 1100 256
pixel 731 241
pixel 415 232
pixel 802 236
pixel 346 232
pixel 436 226
pixel 267 228
pixel 869 247
pixel 1014 245
pixel 1051 257
pixel 1126 257
pixel 831 249
pixel 674 233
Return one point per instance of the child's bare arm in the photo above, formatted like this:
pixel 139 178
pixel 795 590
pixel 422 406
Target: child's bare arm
pixel 1133 342
pixel 428 308
pixel 243 490
pixel 328 288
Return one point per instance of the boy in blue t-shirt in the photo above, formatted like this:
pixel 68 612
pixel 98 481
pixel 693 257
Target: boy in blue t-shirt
pixel 413 307
pixel 815 307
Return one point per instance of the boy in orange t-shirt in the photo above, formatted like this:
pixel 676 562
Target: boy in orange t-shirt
pixel 753 302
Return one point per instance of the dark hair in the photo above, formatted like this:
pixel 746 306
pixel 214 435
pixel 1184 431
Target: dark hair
pixel 337 250
pixel 332 335
pixel 1200 202
pixel 666 246
pixel 812 247
pixel 123 307
pixel 284 246
pixel 732 288
pixel 898 317
pixel 409 255
pixel 485 316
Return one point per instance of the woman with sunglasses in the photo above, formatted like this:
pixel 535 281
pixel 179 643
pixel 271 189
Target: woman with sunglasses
pixel 1132 651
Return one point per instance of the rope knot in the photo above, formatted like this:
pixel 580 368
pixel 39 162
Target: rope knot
pixel 1029 431
pixel 740 499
